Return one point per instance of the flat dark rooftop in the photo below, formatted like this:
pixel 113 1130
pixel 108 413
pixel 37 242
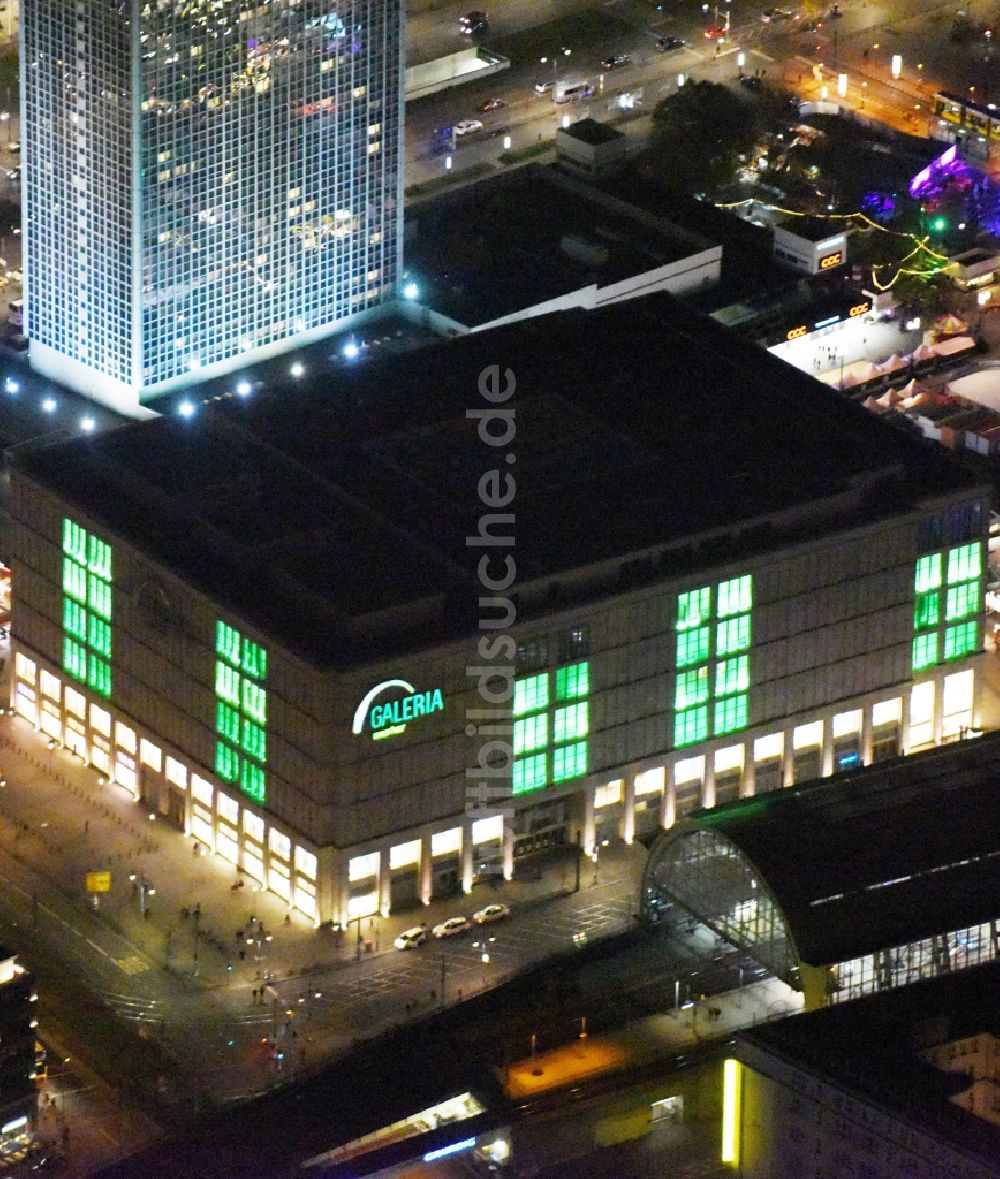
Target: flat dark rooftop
pixel 497 247
pixel 870 1047
pixel 882 856
pixel 592 132
pixel 325 513
pixel 812 229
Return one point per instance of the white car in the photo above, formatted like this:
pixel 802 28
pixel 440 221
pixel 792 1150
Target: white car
pixel 491 913
pixel 466 126
pixel 409 939
pixel 452 926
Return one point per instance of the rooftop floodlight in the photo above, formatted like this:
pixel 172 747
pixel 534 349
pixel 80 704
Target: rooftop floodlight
pixel 186 409
pixel 298 370
pixel 351 350
pixel 244 389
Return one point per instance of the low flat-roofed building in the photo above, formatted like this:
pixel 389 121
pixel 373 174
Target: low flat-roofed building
pixel 850 1090
pixel 280 621
pixel 810 244
pixel 535 241
pixel 590 147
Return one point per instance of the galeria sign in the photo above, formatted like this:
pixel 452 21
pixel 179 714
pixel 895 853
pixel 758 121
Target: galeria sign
pixel 386 718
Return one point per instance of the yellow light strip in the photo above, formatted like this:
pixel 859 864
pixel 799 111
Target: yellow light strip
pixel 732 1076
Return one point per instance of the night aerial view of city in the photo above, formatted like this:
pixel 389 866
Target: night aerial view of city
pixel 499 589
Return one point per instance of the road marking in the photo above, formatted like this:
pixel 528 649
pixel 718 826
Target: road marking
pixel 99 949
pixel 131 965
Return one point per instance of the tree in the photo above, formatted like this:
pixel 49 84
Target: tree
pixel 698 135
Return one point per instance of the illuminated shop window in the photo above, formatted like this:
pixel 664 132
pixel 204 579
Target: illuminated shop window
pixel 240 711
pixel 714 635
pixel 86 614
pixel 547 742
pixel 947 588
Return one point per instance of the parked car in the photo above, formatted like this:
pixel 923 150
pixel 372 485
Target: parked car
pixel 771 15
pixel 665 44
pixel 492 104
pixel 473 22
pixel 467 126
pixel 491 913
pixel 752 82
pixel 409 939
pixel 715 33
pixel 451 927
pixel 615 61
pixel 543 87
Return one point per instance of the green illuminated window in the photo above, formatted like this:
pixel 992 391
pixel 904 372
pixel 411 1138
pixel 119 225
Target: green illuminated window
pixel 569 761
pixel 707 676
pixel 964 562
pixel 925 609
pixel 74 619
pixel 692 688
pixel 572 681
pixel 730 714
pixel 732 635
pixel 928 573
pixel 99 675
pixel 961 639
pixel 531 732
pixel 692 646
pixel 255 701
pixel 240 711
pixel 735 596
pixel 227 762
pixel 75 658
pixel 529 773
pixel 227 721
pixel 86 583
pixel 950 598
pixel 925 650
pixel 253 738
pixel 694 607
pixel 732 675
pixel 691 726
pixel 99 557
pixel 227 683
pixel 252 781
pixel 227 642
pixel 963 599
pixel 99 636
pixel 531 693
pixel 547 731
pixel 570 722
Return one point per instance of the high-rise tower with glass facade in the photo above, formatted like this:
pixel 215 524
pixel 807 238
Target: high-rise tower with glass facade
pixel 205 182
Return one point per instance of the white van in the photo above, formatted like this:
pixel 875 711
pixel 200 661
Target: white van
pixel 572 91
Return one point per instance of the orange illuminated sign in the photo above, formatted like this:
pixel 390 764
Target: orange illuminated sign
pixel 860 309
pixel 796 332
pixel 831 260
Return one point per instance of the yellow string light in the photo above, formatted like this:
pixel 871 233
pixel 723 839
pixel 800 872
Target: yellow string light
pixel 920 243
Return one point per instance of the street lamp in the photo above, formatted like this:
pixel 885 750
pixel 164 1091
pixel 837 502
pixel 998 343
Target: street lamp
pixel 555 62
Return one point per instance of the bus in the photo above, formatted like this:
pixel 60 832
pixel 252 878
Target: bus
pixel 572 91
